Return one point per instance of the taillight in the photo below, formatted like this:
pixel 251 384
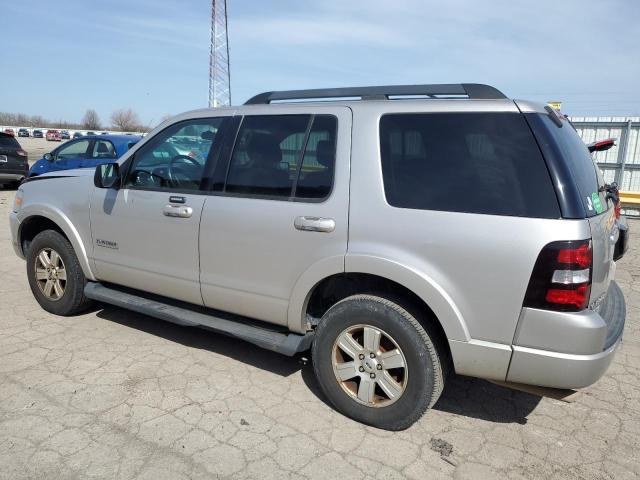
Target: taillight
pixel 21 152
pixel 616 209
pixel 561 278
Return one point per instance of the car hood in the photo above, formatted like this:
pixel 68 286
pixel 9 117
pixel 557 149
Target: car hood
pixel 75 172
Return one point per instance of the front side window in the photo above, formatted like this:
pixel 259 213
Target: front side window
pixel 175 158
pixel 73 150
pixel 486 163
pixel 104 149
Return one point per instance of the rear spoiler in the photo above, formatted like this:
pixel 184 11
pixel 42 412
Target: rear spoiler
pixel 601 145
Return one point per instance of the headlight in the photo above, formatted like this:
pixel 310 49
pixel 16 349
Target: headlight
pixel 17 202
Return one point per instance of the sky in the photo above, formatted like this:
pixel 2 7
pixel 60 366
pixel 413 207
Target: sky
pixel 59 59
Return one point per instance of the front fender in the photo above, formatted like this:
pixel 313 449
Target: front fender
pixel 58 217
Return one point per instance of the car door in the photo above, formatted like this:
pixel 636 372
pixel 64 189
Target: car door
pixel 145 235
pixel 71 154
pixel 280 209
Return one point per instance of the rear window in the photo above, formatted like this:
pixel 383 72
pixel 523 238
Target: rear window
pixel 8 141
pixel 487 163
pixel 586 175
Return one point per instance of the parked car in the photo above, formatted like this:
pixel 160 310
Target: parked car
pixel 53 136
pixel 104 133
pixel 90 133
pixel 37 134
pixel 23 132
pixel 85 152
pixel 396 237
pixel 13 160
pixel 64 134
pixel 10 132
pixel 78 134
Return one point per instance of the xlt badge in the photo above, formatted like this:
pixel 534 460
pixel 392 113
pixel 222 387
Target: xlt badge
pixel 106 243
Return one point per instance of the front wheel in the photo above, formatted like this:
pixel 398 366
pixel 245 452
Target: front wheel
pixel 376 362
pixel 55 276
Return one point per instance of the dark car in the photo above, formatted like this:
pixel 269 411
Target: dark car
pixel 38 134
pixel 23 132
pixel 91 133
pixel 85 152
pixel 64 134
pixel 13 160
pixel 77 135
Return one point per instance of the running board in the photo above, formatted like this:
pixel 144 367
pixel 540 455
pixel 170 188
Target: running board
pixel 233 326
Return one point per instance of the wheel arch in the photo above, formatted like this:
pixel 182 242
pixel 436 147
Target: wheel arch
pixel 374 275
pixel 34 222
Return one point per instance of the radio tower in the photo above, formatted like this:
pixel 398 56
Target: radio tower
pixel 219 72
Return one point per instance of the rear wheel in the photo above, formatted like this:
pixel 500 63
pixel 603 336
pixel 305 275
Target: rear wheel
pixel 55 276
pixel 376 363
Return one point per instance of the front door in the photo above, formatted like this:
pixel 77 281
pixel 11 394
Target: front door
pixel 280 209
pixel 145 235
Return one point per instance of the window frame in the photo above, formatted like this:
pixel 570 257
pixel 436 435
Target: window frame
pixel 202 188
pixel 291 198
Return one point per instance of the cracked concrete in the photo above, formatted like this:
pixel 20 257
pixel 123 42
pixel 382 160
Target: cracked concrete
pixel 113 394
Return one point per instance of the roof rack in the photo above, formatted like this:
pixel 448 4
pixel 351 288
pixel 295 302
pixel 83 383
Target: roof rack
pixel 443 90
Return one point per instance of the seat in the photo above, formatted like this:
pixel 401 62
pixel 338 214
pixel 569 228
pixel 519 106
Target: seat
pixel 263 175
pixel 103 151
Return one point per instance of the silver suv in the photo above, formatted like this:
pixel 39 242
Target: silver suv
pixel 395 231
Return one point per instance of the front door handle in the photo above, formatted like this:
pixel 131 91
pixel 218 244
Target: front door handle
pixel 315 224
pixel 181 211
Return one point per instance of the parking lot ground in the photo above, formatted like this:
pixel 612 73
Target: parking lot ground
pixel 113 394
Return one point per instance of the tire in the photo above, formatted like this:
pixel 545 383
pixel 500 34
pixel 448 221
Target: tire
pixel 70 300
pixel 421 379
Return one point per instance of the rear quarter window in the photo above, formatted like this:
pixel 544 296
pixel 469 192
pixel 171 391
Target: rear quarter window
pixel 486 163
pixel 584 172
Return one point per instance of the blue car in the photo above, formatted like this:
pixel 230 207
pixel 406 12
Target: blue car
pixel 84 152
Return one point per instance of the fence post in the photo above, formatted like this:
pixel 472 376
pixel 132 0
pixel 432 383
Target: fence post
pixel 622 153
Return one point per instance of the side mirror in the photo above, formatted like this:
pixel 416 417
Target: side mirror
pixel 48 157
pixel 107 176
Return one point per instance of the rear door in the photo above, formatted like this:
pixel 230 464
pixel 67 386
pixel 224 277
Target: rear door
pixel 278 208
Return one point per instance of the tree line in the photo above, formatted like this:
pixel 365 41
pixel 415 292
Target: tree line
pixel 124 119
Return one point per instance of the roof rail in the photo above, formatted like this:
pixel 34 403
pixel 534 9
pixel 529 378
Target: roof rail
pixel 468 90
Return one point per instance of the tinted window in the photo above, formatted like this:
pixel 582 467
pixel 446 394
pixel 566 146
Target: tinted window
pixel 586 175
pixel 485 163
pixel 175 158
pixel 104 149
pixel 316 173
pixel 7 141
pixel 266 155
pixel 73 150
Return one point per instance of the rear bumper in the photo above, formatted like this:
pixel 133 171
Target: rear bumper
pixel 5 176
pixel 568 350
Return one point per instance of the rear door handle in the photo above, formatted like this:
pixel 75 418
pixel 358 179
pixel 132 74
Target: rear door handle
pixel 181 211
pixel 315 224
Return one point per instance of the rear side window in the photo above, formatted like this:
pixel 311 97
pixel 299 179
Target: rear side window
pixel 7 141
pixel 487 163
pixel 586 175
pixel 284 156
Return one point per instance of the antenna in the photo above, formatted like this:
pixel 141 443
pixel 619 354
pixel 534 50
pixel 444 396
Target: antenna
pixel 219 71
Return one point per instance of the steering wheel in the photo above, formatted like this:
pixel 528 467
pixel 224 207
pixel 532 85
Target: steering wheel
pixel 173 169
